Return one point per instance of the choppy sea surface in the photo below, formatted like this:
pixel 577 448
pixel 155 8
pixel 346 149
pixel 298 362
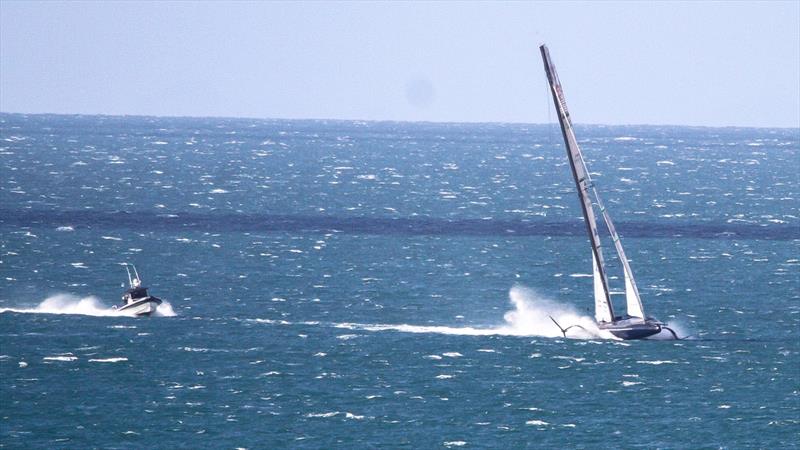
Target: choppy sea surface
pixel 334 284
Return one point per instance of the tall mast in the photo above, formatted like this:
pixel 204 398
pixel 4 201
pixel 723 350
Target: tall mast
pixel 604 311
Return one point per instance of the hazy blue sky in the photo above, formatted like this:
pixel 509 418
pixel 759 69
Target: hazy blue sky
pixel 690 63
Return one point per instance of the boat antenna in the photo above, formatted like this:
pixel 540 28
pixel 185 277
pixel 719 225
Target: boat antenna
pixel 138 280
pixel 130 280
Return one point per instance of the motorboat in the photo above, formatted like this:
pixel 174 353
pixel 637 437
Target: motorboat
pixel 136 301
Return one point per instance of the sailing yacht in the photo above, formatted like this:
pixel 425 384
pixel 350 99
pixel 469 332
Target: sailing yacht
pixel 634 324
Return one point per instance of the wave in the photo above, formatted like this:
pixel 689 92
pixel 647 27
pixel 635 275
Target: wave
pixel 86 306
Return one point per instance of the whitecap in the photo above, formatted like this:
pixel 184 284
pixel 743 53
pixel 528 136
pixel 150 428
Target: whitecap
pixel 327 414
pixel 61 358
pixel 109 360
pixel 537 422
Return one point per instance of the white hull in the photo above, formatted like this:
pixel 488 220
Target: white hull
pixel 142 307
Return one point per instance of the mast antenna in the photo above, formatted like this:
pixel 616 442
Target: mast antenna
pixel 130 280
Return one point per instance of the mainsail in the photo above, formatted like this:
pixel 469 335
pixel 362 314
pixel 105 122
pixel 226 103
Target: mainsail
pixel 604 311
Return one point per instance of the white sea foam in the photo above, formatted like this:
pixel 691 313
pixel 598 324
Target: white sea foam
pixel 87 306
pixel 108 360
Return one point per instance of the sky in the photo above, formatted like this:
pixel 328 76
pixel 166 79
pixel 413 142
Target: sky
pixel 668 63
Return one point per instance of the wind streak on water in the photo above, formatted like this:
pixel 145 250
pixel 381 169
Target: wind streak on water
pixel 418 226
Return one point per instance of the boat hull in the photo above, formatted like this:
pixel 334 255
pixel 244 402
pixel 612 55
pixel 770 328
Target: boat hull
pixel 141 307
pixel 632 328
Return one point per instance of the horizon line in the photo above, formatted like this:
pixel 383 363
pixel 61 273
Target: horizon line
pixel 317 119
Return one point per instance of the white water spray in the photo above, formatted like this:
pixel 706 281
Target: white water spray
pixel 87 306
pixel 165 310
pixel 530 317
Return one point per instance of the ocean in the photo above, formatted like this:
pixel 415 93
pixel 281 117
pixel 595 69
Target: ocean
pixel 341 284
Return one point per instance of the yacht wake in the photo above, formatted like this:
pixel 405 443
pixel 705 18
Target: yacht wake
pixel 530 316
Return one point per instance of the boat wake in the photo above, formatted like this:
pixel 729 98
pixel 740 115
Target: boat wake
pixel 87 306
pixel 530 317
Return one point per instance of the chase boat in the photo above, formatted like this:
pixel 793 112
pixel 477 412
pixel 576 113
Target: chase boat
pixel 136 301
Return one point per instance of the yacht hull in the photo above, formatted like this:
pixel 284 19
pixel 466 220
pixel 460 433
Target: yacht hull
pixel 629 329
